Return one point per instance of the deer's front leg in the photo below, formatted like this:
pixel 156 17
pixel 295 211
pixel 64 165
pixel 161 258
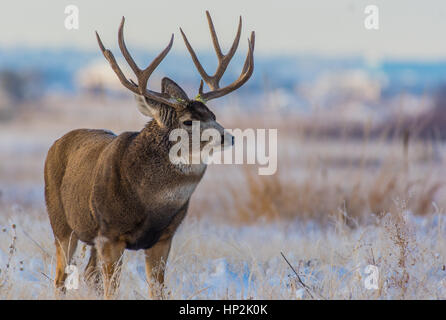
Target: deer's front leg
pixel 110 255
pixel 156 259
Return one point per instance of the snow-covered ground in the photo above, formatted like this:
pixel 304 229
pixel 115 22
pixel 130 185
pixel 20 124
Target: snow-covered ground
pixel 210 260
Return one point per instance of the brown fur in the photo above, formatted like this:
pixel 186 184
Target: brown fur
pixel 119 192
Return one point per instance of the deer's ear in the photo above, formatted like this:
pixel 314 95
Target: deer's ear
pixel 172 89
pixel 153 109
pixel 143 106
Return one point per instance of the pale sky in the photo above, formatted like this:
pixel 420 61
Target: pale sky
pixel 409 29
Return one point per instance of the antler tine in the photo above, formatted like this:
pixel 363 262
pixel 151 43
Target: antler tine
pixel 247 71
pixel 214 36
pixel 200 89
pixel 223 62
pixel 142 75
pixel 124 49
pixel 147 72
pixel 114 65
pixel 251 43
pixel 234 46
pixel 197 63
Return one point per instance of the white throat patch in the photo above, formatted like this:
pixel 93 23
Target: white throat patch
pixel 191 169
pixel 186 167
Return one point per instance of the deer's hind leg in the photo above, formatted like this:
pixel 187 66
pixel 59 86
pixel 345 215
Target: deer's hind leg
pixel 92 274
pixel 65 239
pixel 65 248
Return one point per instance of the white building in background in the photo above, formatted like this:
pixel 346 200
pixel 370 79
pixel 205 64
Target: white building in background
pixel 351 94
pixel 98 77
pixel 352 85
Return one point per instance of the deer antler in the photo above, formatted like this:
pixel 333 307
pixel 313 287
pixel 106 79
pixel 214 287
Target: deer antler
pixel 141 75
pixel 223 61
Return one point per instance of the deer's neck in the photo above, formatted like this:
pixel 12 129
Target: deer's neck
pixel 148 173
pixel 150 151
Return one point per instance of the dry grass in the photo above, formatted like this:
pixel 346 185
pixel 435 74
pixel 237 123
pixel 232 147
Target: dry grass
pixel 370 191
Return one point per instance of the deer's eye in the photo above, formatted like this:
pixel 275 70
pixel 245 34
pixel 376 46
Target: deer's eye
pixel 187 123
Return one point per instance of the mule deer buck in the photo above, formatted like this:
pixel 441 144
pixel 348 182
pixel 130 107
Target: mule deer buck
pixel 122 192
